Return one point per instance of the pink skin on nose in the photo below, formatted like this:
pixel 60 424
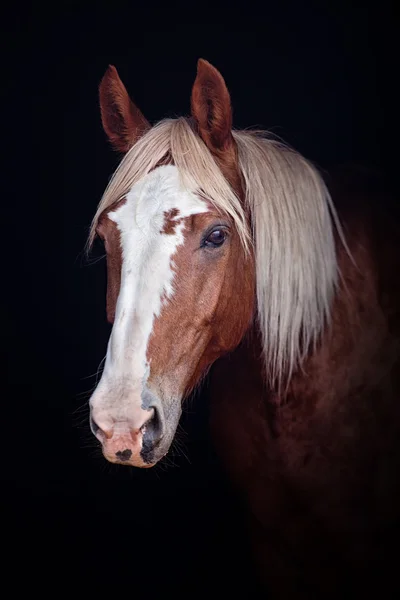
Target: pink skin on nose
pixel 124 447
pixel 122 441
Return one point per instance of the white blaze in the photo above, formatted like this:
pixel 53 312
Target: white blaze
pixel 146 279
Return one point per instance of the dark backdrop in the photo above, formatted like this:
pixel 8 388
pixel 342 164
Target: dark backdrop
pixel 321 75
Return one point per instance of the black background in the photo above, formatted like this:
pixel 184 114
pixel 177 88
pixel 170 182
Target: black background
pixel 321 75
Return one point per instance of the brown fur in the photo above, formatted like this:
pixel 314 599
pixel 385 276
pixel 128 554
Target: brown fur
pixel 123 122
pixel 170 221
pixel 319 466
pixel 107 230
pixel 202 334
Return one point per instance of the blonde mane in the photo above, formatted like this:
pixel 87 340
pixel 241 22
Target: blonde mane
pixel 292 216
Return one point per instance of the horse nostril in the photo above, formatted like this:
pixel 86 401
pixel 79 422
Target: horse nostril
pixel 93 425
pixel 97 429
pixel 155 424
pixel 152 435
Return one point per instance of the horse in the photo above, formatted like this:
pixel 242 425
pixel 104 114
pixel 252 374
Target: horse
pixel 231 256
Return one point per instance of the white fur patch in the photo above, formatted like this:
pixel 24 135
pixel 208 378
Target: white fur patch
pixel 146 279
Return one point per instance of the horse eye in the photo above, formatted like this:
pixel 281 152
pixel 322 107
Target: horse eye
pixel 215 238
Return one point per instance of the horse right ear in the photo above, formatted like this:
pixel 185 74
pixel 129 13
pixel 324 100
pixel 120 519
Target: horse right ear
pixel 211 109
pixel 122 121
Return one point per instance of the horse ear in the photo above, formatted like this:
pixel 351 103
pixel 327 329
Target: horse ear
pixel 211 108
pixel 122 121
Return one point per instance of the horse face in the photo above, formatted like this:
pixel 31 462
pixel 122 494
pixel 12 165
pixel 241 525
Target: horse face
pixel 180 290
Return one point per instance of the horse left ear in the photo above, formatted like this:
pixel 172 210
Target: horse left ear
pixel 211 109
